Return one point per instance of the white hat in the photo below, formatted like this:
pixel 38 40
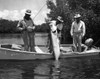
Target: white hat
pixel 77 16
pixel 28 12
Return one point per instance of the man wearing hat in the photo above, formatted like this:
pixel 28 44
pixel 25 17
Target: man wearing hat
pixel 77 32
pixel 59 24
pixel 27 27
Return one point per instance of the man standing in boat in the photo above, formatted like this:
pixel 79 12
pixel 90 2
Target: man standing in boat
pixel 59 24
pixel 26 25
pixel 77 32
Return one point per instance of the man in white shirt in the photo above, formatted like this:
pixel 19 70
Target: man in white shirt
pixel 77 32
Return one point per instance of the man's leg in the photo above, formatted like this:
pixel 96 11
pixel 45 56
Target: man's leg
pixel 79 43
pixel 75 42
pixel 26 41
pixel 50 44
pixel 59 37
pixel 32 41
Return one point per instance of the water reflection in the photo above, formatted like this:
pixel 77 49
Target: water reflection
pixel 55 70
pixel 10 74
pixel 50 69
pixel 47 70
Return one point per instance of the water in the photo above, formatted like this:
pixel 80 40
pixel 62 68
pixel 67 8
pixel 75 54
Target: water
pixel 40 39
pixel 72 68
pixel 50 69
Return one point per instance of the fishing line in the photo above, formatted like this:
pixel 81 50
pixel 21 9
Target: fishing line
pixel 96 42
pixel 40 9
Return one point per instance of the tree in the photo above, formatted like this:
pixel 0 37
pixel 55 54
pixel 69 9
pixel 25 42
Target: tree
pixel 89 9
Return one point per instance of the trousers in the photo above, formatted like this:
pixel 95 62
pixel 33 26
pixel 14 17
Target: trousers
pixel 77 39
pixel 29 40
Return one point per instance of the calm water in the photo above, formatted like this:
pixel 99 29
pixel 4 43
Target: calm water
pixel 76 68
pixel 40 39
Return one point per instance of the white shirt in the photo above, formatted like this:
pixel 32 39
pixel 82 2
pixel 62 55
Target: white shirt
pixel 78 28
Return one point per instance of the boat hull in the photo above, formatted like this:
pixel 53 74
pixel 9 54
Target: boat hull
pixel 10 54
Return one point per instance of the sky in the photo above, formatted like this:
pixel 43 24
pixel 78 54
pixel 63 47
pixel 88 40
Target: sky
pixel 15 9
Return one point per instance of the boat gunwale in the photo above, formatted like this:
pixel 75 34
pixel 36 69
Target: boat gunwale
pixel 25 52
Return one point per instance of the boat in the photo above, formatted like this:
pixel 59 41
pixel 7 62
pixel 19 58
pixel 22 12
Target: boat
pixel 13 52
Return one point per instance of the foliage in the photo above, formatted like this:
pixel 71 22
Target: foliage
pixel 89 10
pixel 8 26
pixel 42 28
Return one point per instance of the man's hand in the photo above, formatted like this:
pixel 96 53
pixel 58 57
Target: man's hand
pixel 30 29
pixel 72 35
pixel 83 35
pixel 20 29
pixel 33 27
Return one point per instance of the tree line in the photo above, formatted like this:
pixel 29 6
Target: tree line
pixel 9 26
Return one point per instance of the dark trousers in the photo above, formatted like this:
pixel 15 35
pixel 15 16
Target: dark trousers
pixel 50 46
pixel 29 41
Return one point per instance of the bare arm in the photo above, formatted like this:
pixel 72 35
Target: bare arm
pixel 71 31
pixel 20 25
pixel 84 29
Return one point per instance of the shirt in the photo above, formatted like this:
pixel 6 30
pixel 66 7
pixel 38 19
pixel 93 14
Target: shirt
pixel 60 26
pixel 25 23
pixel 78 28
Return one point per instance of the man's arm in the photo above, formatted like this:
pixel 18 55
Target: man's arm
pixel 33 25
pixel 84 29
pixel 20 25
pixel 71 31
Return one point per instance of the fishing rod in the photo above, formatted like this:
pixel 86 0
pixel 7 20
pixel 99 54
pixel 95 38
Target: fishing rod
pixel 40 10
pixel 96 42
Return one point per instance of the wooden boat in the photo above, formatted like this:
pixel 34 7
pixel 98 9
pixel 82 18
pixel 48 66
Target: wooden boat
pixel 13 53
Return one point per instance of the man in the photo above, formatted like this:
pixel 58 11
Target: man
pixel 26 25
pixel 59 24
pixel 77 32
pixel 89 43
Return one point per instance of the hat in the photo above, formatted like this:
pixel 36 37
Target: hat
pixel 77 16
pixel 60 18
pixel 28 12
